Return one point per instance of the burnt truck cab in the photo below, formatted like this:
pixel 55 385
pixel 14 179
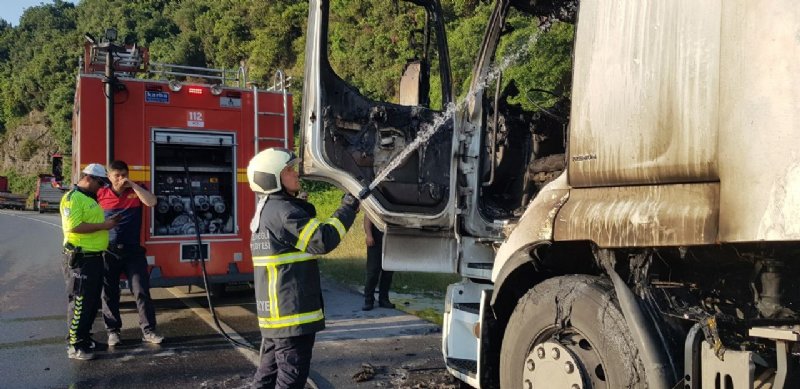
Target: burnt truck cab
pixel 632 220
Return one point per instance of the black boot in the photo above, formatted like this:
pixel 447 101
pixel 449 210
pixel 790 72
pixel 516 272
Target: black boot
pixel 385 303
pixel 368 305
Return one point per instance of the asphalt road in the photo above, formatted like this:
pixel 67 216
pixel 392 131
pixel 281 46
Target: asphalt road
pixel 380 348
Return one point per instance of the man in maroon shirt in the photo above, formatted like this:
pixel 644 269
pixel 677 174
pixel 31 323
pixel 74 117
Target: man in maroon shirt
pixel 125 254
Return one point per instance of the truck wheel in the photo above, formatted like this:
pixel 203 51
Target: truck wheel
pixel 569 332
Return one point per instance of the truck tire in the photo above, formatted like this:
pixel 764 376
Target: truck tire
pixel 569 330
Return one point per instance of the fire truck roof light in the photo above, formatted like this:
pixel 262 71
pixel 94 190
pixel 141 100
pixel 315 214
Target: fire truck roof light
pixel 195 90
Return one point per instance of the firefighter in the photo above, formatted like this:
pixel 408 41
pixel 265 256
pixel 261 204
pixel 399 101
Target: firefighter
pixel 85 238
pixel 125 255
pixel 286 239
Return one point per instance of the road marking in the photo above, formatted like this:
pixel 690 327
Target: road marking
pixel 30 218
pixel 204 314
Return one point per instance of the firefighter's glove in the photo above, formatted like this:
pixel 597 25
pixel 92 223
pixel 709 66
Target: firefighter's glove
pixel 351 201
pixel 366 192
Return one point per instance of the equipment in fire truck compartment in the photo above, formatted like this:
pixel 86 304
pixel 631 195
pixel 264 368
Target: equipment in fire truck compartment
pixel 211 174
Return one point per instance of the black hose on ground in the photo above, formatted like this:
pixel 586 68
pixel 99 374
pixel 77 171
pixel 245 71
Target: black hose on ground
pixel 199 257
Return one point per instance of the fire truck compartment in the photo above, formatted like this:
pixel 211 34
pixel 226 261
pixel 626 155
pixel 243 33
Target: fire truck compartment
pixel 193 172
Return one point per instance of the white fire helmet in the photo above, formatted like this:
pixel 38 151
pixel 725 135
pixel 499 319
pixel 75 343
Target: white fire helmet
pixel 264 170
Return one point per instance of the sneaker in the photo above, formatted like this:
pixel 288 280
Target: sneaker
pixel 368 305
pixel 152 337
pixel 385 304
pixel 113 339
pixel 77 352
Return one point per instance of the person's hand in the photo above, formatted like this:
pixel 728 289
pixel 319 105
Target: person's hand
pixel 350 201
pixel 370 241
pixel 126 183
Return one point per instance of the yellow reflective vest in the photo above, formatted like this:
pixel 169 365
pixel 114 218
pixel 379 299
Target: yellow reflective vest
pixel 79 207
pixel 284 248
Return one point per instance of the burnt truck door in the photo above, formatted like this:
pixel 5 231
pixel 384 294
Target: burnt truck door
pixel 351 133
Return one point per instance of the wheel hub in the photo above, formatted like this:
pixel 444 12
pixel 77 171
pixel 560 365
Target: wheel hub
pixel 551 365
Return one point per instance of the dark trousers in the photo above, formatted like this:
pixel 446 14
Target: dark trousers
pixel 133 264
pixel 285 362
pixel 375 274
pixel 84 283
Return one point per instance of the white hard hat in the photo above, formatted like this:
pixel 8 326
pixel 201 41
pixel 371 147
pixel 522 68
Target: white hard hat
pixel 95 169
pixel 264 170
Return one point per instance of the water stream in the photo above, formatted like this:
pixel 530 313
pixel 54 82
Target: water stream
pixel 428 129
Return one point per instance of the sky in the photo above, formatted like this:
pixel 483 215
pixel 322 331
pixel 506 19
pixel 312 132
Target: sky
pixel 11 10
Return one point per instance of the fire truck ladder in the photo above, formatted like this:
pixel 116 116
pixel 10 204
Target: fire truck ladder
pixel 129 60
pixel 278 84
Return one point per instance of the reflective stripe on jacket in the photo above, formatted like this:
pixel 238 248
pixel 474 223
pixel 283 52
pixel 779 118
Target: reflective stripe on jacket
pixel 284 249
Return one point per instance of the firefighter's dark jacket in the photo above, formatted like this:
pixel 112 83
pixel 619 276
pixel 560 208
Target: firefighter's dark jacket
pixel 285 248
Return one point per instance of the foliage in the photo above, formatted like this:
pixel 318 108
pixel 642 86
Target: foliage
pixel 544 64
pixel 464 40
pixel 27 149
pixel 19 183
pixel 370 42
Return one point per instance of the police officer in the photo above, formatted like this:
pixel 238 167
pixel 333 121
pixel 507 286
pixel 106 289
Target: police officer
pixel 286 239
pixel 85 238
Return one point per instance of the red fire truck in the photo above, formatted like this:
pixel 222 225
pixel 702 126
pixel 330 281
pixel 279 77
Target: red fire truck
pixel 187 133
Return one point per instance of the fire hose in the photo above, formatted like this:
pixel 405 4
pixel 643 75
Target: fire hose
pixel 199 257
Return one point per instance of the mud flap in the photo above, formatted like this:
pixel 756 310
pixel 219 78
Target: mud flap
pixel 488 345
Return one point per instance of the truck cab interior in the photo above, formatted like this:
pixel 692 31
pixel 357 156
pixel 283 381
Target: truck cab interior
pixel 523 118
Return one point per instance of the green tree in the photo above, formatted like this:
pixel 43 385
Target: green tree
pixel 370 43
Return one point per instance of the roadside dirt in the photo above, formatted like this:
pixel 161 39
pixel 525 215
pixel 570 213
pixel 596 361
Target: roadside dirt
pixel 382 348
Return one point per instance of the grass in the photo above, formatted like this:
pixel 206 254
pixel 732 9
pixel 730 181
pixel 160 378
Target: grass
pixel 347 264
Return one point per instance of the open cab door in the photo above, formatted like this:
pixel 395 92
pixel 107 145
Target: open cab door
pixel 352 133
